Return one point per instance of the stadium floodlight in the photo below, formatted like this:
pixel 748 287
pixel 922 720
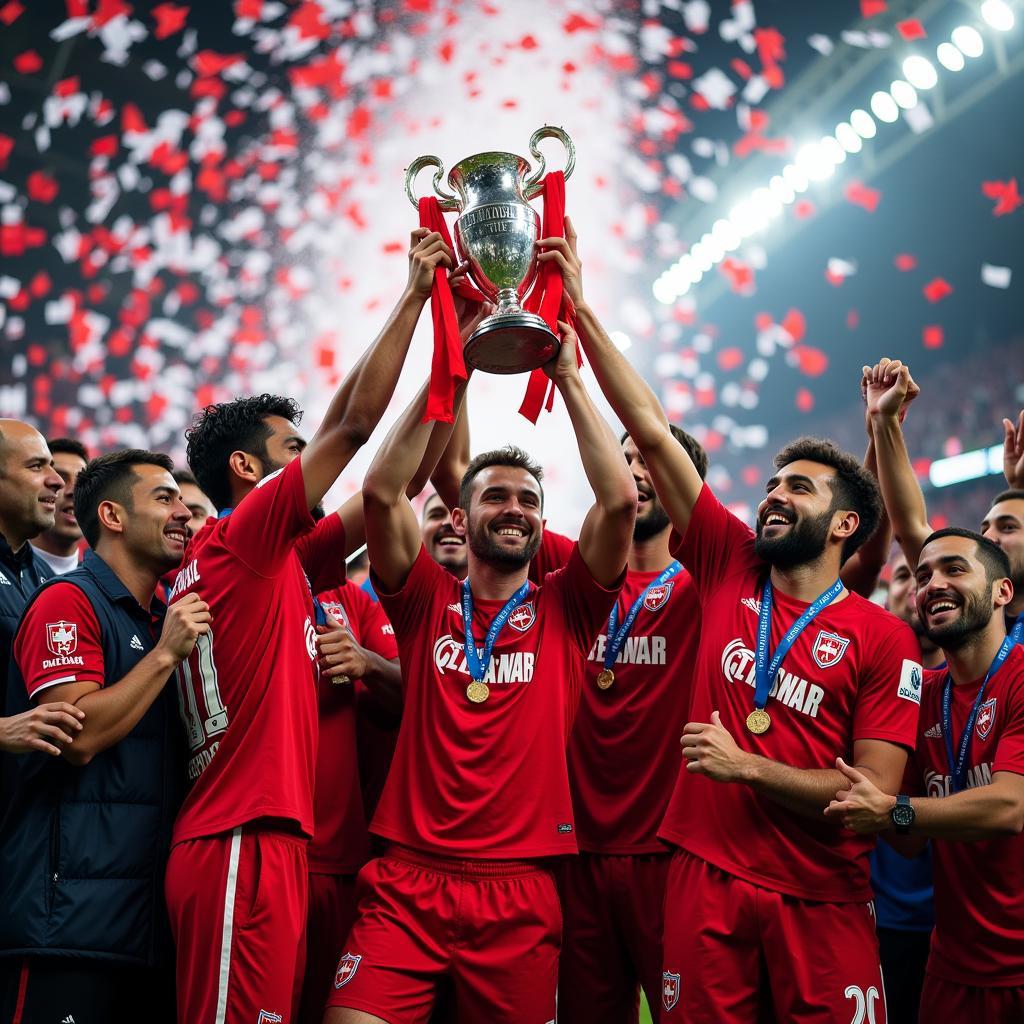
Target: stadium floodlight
pixel 714 249
pixel 725 234
pixel 663 291
pixel 968 41
pixel 781 189
pixel 815 162
pixel 795 178
pixel 863 124
pixel 767 204
pixel 950 57
pixel 832 150
pixel 848 138
pixel 966 466
pixel 883 106
pixel 903 93
pixel 998 14
pixel 920 72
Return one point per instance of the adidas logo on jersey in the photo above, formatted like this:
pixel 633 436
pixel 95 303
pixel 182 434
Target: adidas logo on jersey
pixel 455 607
pixel 69 1019
pixel 4 581
pixel 136 644
pixel 753 603
pixel 934 733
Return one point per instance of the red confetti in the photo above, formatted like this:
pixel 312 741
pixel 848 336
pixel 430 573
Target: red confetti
pixel 911 29
pixel 804 209
pixel 804 400
pixel 6 145
pixel 28 63
pixel 41 187
pixel 11 12
pixel 209 63
pixel 852 320
pixel 932 336
pixel 730 358
pixel 937 289
pixel 904 261
pixel 1006 195
pixel 860 195
pixel 169 19
pixel 580 23
pixel 794 325
pixel 871 8
pixel 811 361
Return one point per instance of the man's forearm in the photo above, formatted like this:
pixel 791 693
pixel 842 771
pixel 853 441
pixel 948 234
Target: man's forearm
pixel 986 812
pixel 904 500
pixel 805 791
pixel 629 394
pixel 383 679
pixel 606 469
pixel 113 711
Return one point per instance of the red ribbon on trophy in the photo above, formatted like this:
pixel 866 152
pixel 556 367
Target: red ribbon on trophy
pixel 447 368
pixel 548 298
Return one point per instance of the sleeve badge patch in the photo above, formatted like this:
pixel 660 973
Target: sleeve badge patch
pixel 62 638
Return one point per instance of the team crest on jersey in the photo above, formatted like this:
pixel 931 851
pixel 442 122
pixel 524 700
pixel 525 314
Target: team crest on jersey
pixel 669 990
pixel 523 617
pixel 829 648
pixel 347 967
pixel 986 716
pixel 336 612
pixel 62 638
pixel 656 597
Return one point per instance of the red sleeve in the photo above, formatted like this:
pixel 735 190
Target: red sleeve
pixel 406 607
pixel 1010 749
pixel 716 544
pixel 261 532
pixel 322 553
pixel 889 696
pixel 59 641
pixel 553 553
pixel 375 632
pixel 585 602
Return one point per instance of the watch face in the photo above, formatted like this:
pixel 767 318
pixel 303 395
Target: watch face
pixel 903 815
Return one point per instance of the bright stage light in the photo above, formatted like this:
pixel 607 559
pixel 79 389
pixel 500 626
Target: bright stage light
pixel 998 14
pixel 814 162
pixel 863 124
pixel 795 178
pixel 968 41
pixel 725 234
pixel 663 291
pixel 903 93
pixel 950 57
pixel 831 148
pixel 781 189
pixel 766 203
pixel 848 138
pixel 883 106
pixel 920 72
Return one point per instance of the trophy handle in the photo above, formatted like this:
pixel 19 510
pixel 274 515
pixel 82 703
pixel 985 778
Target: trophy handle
pixel 445 199
pixel 533 183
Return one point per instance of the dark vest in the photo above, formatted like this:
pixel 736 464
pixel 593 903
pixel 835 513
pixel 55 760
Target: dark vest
pixel 83 849
pixel 20 575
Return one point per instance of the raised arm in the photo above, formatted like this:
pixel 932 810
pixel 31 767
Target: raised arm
pixel 360 402
pixel 392 532
pixel 861 571
pixel 1013 452
pixel 889 387
pixel 608 528
pixel 676 480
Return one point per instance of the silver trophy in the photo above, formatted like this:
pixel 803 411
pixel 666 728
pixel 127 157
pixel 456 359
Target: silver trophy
pixel 495 232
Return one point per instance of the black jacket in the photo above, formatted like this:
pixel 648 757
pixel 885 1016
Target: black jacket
pixel 83 849
pixel 20 576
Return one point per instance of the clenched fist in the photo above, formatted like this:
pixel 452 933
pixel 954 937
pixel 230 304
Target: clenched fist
pixel 340 658
pixel 187 620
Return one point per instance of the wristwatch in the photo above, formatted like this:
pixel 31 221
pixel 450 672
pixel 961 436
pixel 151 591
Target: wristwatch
pixel 902 814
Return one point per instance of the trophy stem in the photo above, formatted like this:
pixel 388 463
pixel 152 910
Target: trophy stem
pixel 508 301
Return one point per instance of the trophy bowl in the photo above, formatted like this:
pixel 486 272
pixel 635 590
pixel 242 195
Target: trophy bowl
pixel 496 234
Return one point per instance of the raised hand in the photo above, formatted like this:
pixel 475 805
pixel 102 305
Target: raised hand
pixel 1013 452
pixel 427 252
pixel 564 365
pixel 186 621
pixel 562 251
pixel 888 388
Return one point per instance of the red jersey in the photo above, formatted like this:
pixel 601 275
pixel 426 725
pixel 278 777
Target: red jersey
pixel 340 843
pixel 624 747
pixel 247 691
pixel 979 886
pixel 59 641
pixel 852 674
pixel 488 780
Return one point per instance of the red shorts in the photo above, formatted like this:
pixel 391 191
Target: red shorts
pixel 332 911
pixel 237 904
pixel 953 1003
pixel 734 952
pixel 611 938
pixel 491 927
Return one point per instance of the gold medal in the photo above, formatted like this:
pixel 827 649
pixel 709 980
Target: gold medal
pixel 605 678
pixel 758 721
pixel 478 692
pixel 340 680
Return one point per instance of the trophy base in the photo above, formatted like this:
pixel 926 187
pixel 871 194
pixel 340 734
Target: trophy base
pixel 511 343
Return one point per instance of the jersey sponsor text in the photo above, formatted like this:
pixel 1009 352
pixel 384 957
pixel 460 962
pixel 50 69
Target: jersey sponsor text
pixel 637 650
pixel 513 667
pixel 188 577
pixel 738 665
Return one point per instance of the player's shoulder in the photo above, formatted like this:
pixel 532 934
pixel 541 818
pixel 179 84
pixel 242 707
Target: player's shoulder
pixel 60 594
pixel 877 621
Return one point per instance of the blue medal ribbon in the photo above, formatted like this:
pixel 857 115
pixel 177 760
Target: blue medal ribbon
pixel 958 765
pixel 765 673
pixel 617 634
pixel 477 666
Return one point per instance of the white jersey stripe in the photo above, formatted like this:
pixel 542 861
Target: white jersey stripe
pixel 229 921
